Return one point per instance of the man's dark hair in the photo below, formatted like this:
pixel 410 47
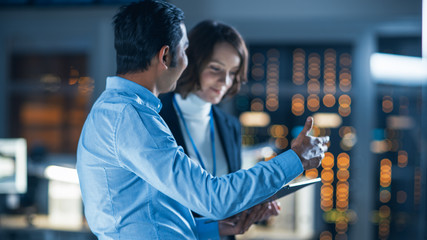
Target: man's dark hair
pixel 141 29
pixel 203 38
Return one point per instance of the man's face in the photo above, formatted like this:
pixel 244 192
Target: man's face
pixel 168 82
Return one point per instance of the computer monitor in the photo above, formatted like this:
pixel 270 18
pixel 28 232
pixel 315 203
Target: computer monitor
pixel 13 165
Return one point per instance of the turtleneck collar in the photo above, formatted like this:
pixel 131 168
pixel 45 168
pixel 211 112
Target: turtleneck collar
pixel 193 106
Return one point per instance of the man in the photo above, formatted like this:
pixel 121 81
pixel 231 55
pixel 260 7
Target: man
pixel 136 182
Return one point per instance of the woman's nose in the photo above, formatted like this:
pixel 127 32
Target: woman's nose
pixel 227 79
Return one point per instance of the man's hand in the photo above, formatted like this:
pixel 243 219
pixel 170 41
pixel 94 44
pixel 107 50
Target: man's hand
pixel 311 150
pixel 240 223
pixel 273 210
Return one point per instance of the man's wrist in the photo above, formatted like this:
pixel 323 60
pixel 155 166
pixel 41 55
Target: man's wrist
pixel 290 164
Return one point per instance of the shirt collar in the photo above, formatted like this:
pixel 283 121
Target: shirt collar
pixel 143 96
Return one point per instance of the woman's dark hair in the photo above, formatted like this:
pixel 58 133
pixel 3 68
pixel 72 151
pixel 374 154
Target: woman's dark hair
pixel 141 29
pixel 203 38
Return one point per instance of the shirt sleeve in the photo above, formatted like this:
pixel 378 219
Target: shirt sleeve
pixel 207 229
pixel 145 146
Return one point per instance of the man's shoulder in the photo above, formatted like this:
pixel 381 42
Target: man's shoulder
pixel 109 102
pixel 119 101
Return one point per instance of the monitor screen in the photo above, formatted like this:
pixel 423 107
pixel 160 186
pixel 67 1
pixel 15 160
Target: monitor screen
pixel 13 165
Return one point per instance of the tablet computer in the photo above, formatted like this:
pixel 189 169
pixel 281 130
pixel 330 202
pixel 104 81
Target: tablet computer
pixel 293 187
pixel 287 189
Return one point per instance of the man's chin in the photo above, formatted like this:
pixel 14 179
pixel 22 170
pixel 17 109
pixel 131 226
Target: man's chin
pixel 172 88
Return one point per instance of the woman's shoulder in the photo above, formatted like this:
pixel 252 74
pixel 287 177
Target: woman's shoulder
pixel 166 97
pixel 222 115
pixel 167 105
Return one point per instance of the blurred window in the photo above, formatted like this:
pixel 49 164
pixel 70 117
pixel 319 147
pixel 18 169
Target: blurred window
pixel 48 99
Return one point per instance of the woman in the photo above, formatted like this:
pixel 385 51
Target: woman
pixel 217 66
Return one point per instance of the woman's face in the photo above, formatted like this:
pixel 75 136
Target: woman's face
pixel 219 73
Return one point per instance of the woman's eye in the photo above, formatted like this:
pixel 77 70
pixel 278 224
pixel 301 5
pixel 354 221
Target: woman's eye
pixel 216 69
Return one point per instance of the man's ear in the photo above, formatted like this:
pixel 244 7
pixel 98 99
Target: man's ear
pixel 164 56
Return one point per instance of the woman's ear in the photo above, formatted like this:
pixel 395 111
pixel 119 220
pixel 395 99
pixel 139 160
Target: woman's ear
pixel 164 56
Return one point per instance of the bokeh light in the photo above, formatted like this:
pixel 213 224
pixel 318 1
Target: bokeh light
pixel 313 103
pixel 298 72
pixel 387 104
pixel 298 104
pixel 257 105
pixel 402 159
pixel 329 100
pixel 311 173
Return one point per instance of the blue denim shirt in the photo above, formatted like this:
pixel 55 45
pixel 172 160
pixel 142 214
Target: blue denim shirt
pixel 137 183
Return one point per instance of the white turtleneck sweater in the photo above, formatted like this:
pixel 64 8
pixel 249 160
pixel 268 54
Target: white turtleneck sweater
pixel 196 113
